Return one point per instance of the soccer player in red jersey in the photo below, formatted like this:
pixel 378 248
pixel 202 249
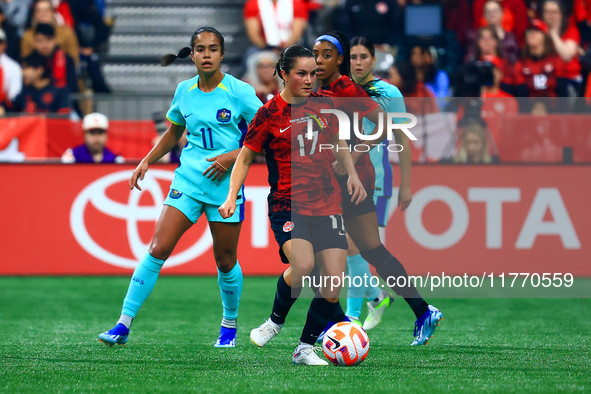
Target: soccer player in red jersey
pixel 305 198
pixel 332 53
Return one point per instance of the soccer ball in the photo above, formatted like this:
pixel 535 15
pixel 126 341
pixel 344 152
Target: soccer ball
pixel 345 344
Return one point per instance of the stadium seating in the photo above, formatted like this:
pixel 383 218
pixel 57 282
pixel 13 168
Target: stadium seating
pixel 144 30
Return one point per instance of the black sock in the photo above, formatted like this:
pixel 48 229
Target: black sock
pixel 388 266
pixel 319 314
pixel 339 314
pixel 285 297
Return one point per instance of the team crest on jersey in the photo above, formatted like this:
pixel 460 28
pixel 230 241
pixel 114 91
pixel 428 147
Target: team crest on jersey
pixel 224 115
pixel 287 227
pixel 319 120
pixel 175 194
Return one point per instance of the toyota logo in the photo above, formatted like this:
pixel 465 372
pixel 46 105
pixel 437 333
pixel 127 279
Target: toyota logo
pixel 132 213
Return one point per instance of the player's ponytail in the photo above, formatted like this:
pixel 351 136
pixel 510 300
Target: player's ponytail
pixel 168 59
pixel 288 58
pixel 186 51
pixel 344 49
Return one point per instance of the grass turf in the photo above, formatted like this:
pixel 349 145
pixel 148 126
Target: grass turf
pixel 49 328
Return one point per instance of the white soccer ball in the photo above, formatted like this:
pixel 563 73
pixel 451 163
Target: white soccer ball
pixel 346 344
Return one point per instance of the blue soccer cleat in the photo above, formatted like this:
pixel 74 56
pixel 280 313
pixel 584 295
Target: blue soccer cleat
pixel 330 324
pixel 116 335
pixel 227 338
pixel 425 326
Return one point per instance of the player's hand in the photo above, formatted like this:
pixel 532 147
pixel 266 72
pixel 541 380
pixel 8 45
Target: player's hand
pixel 356 189
pixel 219 166
pixel 338 169
pixel 404 197
pixel 227 209
pixel 138 175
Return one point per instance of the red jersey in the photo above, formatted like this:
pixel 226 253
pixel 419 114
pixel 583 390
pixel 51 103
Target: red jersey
pixel 251 10
pixel 300 173
pixel 538 75
pixel 344 87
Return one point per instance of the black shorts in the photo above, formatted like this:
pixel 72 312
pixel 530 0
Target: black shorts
pixel 350 210
pixel 323 232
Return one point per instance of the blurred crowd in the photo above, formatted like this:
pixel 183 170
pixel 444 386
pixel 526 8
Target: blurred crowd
pixel 48 50
pixel 441 48
pixel 434 51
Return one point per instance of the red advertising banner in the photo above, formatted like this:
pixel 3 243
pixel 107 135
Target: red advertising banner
pixel 83 220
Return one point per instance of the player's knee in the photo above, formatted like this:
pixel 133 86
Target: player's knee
pixel 160 251
pixel 226 264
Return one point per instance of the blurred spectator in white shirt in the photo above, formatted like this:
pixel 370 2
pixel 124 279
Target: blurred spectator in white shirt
pixel 11 76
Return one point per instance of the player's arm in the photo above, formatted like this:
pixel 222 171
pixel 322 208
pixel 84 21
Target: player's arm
pixel 221 164
pixel 404 194
pixel 237 178
pixel 343 156
pixel 168 141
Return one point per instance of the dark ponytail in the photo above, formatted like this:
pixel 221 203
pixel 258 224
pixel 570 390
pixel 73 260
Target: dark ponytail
pixel 288 58
pixel 168 59
pixel 186 51
pixel 345 67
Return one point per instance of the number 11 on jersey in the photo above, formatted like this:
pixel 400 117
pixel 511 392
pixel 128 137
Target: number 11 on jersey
pixel 204 134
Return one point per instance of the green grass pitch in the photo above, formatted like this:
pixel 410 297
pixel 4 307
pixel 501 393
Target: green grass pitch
pixel 49 327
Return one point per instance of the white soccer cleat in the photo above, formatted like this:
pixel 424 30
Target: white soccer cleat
pixel 376 310
pixel 263 333
pixel 307 356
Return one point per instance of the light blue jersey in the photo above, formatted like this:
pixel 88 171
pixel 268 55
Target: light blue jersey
pixel 392 101
pixel 216 123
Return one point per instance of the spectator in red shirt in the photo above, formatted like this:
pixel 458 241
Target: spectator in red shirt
pixel 275 23
pixel 60 64
pixel 39 94
pixel 566 38
pixel 514 16
pixel 493 14
pixel 488 45
pixel 537 72
pixel 495 90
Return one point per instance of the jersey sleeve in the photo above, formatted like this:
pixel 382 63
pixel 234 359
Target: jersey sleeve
pixel 174 113
pixel 258 132
pixel 250 103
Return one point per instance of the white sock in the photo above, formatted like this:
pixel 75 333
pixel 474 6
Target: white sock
pixel 125 320
pixel 229 323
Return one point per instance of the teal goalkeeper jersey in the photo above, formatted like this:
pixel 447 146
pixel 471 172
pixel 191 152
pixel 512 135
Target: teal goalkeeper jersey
pixel 391 102
pixel 216 123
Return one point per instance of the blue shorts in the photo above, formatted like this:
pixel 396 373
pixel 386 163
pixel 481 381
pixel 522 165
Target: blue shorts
pixel 193 209
pixel 382 209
